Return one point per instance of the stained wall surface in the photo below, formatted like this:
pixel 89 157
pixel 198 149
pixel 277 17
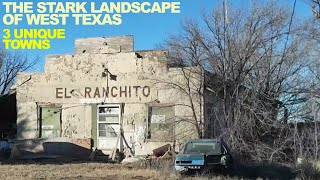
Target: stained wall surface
pixel 139 79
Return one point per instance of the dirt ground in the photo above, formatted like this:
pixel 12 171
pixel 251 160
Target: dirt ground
pixel 77 171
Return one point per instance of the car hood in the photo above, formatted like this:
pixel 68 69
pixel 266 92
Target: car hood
pixel 189 157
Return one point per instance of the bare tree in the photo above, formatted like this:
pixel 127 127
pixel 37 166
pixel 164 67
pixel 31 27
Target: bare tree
pixel 315 7
pixel 255 62
pixel 10 64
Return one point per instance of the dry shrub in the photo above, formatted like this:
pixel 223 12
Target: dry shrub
pixel 163 165
pixel 308 170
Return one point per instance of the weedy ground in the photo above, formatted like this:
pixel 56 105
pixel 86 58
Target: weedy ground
pixel 139 171
pixel 77 171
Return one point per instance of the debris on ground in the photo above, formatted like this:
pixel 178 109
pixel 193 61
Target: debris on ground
pixel 162 152
pixel 130 160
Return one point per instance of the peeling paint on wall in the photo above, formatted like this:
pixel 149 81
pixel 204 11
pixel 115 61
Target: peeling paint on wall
pixel 74 72
pixel 139 134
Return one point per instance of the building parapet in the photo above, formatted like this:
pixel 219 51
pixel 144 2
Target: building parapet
pixel 104 45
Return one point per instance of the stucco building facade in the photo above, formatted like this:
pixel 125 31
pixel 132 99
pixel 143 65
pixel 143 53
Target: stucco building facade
pixel 112 95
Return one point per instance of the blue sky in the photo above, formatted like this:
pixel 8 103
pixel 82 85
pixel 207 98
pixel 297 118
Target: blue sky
pixel 147 29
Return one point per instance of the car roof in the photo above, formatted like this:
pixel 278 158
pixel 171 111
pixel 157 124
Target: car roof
pixel 204 140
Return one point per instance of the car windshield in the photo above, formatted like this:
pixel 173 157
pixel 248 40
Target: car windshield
pixel 203 147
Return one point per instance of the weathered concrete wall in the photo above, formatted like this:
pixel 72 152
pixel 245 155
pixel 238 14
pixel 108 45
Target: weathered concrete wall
pixel 113 44
pixel 76 121
pixel 27 124
pixel 76 81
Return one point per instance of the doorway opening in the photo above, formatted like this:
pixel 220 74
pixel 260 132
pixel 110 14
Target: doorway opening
pixel 108 126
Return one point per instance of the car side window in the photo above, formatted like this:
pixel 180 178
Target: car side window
pixel 182 148
pixel 226 148
pixel 223 149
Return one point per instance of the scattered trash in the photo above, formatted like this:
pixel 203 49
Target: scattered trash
pixel 131 160
pixel 38 157
pixel 160 151
pixel 15 152
pixel 5 149
pixel 169 154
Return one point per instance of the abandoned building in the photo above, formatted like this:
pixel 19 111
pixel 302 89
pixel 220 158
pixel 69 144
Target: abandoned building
pixel 108 96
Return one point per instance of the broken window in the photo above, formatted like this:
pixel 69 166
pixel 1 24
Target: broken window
pixel 49 119
pixel 108 126
pixel 161 123
pixel 108 118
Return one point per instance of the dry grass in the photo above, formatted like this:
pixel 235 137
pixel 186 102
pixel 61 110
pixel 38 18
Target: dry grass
pixel 87 170
pixel 77 171
pixel 139 171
